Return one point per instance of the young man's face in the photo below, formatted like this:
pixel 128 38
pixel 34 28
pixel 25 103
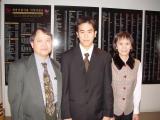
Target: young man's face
pixel 42 44
pixel 86 34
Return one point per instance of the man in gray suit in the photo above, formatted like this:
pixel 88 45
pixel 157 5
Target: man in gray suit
pixel 26 85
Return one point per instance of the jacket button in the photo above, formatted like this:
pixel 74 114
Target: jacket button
pixel 86 91
pixel 125 76
pixel 123 98
pixel 124 88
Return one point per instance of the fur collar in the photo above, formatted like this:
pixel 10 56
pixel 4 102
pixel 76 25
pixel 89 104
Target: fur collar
pixel 119 63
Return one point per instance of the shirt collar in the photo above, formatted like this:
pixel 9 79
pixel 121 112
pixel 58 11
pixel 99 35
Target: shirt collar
pixel 39 60
pixel 89 51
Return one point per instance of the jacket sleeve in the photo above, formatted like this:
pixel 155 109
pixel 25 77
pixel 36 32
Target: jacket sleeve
pixel 15 86
pixel 65 105
pixel 108 91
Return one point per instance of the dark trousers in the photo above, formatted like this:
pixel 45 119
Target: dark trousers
pixel 124 117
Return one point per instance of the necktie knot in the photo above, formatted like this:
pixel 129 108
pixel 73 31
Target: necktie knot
pixel 86 55
pixel 44 65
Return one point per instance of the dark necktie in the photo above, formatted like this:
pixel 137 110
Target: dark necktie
pixel 86 61
pixel 49 95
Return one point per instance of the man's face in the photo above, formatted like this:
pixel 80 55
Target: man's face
pixel 42 44
pixel 86 34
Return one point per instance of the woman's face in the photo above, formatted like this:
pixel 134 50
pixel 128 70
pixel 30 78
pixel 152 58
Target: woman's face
pixel 123 46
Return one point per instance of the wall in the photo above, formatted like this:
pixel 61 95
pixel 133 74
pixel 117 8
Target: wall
pixel 150 93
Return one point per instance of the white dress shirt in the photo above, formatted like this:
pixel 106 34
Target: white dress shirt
pixel 89 51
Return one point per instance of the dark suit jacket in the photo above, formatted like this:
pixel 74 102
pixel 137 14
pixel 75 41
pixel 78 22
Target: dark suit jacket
pixel 86 96
pixel 24 90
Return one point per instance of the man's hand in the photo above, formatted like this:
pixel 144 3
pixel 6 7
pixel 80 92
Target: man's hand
pixel 112 118
pixel 135 117
pixel 106 118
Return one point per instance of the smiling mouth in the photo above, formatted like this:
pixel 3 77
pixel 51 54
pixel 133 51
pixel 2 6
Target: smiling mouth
pixel 44 49
pixel 124 51
pixel 86 40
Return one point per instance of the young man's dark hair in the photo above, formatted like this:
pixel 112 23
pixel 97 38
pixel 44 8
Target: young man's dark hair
pixel 85 20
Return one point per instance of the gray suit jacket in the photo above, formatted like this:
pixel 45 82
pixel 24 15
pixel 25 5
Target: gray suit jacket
pixel 24 90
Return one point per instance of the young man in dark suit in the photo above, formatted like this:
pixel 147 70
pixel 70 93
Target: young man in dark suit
pixel 34 83
pixel 86 78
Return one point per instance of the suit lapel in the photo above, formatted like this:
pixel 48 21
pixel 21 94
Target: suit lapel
pixel 33 75
pixel 56 69
pixel 93 59
pixel 79 59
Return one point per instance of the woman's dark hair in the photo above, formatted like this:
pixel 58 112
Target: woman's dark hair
pixel 121 35
pixel 44 30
